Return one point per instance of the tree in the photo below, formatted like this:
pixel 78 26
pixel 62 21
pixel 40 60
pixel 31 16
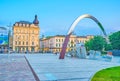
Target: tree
pixel 108 47
pixel 97 43
pixel 88 44
pixel 115 40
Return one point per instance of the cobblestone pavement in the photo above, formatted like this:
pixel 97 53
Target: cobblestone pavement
pixel 14 68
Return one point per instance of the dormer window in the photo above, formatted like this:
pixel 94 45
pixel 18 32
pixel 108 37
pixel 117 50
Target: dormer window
pixel 20 24
pixel 16 24
pixel 23 25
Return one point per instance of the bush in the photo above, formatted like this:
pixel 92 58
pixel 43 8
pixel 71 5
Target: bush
pixel 109 74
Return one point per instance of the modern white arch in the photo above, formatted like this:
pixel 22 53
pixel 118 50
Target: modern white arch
pixel 62 53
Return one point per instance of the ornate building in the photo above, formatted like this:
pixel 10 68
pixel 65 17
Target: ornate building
pixel 54 43
pixel 26 36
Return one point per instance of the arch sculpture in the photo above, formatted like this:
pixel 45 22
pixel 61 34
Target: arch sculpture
pixel 62 53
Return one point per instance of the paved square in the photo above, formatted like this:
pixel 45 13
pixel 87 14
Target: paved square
pixel 49 68
pixel 14 68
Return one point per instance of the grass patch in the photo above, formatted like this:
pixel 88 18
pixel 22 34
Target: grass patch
pixel 108 74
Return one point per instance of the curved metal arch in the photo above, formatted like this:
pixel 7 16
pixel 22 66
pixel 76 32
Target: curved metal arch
pixel 82 17
pixel 62 53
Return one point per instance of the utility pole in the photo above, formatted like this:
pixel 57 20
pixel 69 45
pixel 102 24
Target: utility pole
pixel 9 34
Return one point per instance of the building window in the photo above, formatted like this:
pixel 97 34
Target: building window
pixel 23 25
pixel 23 43
pixel 74 45
pixel 16 24
pixel 15 42
pixel 59 45
pixel 80 41
pixel 26 43
pixel 32 43
pixel 56 45
pixel 19 37
pixel 57 40
pixel 20 24
pixel 19 42
pixel 69 45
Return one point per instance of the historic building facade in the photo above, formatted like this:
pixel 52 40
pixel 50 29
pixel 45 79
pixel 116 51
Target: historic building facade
pixel 26 36
pixel 54 43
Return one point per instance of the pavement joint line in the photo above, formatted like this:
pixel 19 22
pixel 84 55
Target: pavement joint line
pixel 35 75
pixel 65 72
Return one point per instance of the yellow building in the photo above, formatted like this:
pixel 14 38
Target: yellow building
pixel 26 36
pixel 54 43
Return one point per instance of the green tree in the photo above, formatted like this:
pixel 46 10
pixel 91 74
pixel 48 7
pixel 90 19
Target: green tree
pixel 88 44
pixel 115 40
pixel 108 47
pixel 97 43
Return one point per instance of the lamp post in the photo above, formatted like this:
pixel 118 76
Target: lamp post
pixel 9 37
pixel 42 43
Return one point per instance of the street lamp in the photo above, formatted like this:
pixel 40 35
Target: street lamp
pixel 42 43
pixel 9 37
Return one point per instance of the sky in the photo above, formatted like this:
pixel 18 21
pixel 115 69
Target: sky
pixel 56 16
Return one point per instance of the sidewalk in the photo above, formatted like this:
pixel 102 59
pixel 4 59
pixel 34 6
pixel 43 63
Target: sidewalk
pixel 49 68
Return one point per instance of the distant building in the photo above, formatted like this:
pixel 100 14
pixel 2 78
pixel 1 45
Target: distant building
pixel 54 43
pixel 26 36
pixel 4 43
